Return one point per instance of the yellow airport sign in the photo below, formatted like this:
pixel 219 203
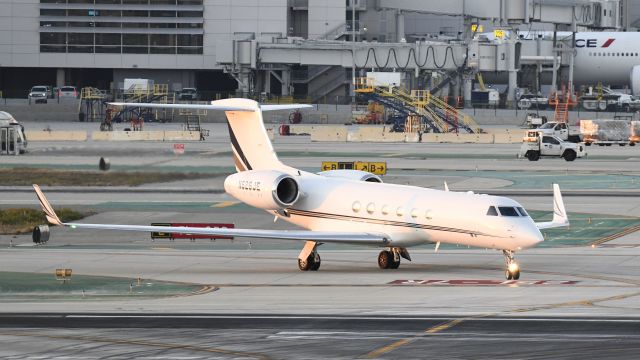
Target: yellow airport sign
pixel 477 28
pixel 499 33
pixel 378 168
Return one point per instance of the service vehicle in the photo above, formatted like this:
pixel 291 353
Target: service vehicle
pixel 536 145
pixel 488 97
pixel 532 101
pixel 561 130
pixel 68 92
pixel 39 94
pixel 534 120
pixel 188 94
pixel 608 99
pixel 12 138
pixel 607 132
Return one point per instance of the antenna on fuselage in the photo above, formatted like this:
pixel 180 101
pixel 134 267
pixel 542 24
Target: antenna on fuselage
pixel 446 187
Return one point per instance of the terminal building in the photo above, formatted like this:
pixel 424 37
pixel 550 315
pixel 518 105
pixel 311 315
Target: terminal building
pixel 302 48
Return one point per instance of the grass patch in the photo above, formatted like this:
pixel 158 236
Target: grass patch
pixel 49 177
pixel 23 220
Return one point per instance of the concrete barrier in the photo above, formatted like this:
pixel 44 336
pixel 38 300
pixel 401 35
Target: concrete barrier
pixel 56 135
pixel 145 135
pixel 329 133
pixel 181 136
pixel 506 138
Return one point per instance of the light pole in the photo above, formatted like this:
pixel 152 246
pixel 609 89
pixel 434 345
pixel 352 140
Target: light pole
pixel 353 52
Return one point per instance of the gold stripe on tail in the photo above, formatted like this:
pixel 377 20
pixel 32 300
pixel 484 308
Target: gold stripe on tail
pixel 50 214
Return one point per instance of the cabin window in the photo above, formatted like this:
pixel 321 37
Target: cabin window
pixel 522 212
pixel 385 210
pixel 492 211
pixel 507 211
pixel 371 208
pixel 356 206
pixel 399 211
pixel 427 215
pixel 414 213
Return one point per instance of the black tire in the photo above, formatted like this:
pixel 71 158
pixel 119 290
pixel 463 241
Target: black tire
pixel 316 262
pixel 632 144
pixel 533 155
pixel 306 265
pixel 587 144
pixel 394 264
pixel 569 155
pixel 516 275
pixel 507 274
pixel 385 258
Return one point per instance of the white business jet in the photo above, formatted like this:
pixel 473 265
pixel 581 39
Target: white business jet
pixel 350 206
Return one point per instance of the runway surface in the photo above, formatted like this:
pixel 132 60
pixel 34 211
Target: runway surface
pixel 212 336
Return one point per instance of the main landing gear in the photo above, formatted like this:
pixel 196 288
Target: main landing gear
pixel 390 259
pixel 513 269
pixel 312 262
pixel 309 259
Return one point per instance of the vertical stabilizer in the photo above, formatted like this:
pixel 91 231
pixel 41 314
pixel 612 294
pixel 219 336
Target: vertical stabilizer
pixel 250 144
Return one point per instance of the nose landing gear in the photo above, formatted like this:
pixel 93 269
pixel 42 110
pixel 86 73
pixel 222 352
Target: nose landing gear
pixel 512 271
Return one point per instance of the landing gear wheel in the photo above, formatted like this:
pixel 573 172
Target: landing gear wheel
pixel 512 271
pixel 394 263
pixel 385 258
pixel 316 263
pixel 305 265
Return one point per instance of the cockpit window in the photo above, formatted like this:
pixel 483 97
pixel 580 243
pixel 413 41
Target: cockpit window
pixel 522 212
pixel 492 211
pixel 507 211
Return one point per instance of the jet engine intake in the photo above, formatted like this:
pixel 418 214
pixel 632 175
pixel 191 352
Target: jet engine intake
pixel 264 189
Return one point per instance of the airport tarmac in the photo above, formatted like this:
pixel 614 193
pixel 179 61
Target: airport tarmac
pixel 571 301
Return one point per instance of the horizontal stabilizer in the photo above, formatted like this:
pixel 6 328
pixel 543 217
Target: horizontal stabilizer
pixel 222 105
pixel 211 106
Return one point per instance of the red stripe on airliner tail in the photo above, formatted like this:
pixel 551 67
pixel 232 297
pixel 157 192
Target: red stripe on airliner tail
pixel 608 42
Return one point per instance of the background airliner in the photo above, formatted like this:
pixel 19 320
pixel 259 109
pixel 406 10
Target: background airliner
pixel 612 58
pixel 350 206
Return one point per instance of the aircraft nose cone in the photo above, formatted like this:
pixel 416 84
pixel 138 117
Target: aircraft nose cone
pixel 532 237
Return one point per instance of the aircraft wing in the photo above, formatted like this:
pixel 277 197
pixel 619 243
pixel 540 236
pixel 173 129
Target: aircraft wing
pixel 560 218
pixel 358 238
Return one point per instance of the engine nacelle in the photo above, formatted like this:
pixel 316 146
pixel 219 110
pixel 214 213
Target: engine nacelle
pixel 357 175
pixel 634 80
pixel 264 189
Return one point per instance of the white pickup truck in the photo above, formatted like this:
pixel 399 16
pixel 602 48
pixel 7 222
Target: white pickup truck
pixel 561 130
pixel 536 145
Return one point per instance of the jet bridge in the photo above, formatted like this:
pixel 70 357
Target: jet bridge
pixel 245 57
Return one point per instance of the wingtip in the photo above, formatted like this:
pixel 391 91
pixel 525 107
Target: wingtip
pixel 49 213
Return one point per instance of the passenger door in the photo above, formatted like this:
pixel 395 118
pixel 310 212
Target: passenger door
pixel 550 146
pixel 562 131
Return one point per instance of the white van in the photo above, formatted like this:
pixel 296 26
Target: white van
pixel 12 138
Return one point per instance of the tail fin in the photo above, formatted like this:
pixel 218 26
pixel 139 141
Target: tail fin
pixel 250 144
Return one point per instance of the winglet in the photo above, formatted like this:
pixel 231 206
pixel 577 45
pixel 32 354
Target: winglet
pixel 560 218
pixel 559 212
pixel 51 215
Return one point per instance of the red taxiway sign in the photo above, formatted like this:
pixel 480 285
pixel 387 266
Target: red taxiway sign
pixel 483 282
